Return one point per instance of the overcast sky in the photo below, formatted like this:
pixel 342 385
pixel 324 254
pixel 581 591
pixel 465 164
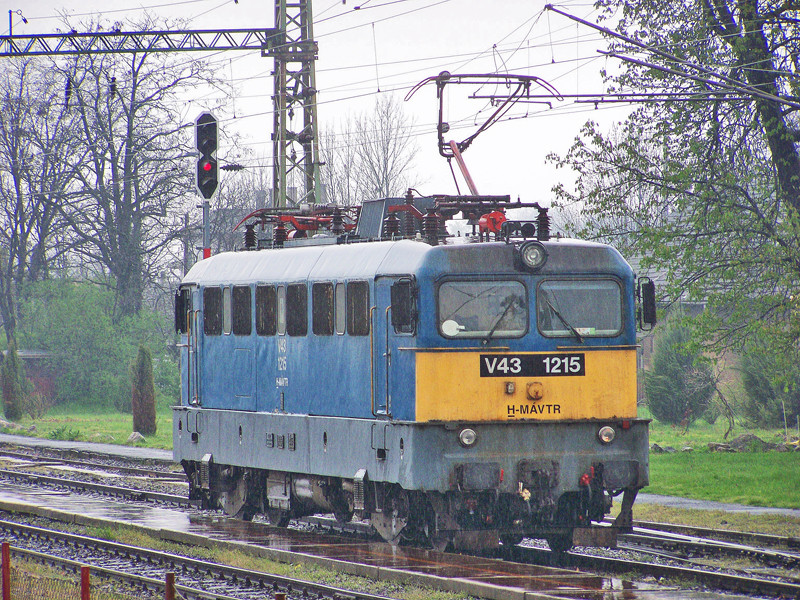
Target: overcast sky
pixel 389 45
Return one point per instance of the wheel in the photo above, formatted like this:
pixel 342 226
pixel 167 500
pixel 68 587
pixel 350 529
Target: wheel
pixel 245 514
pixel 278 517
pixel 560 542
pixel 343 517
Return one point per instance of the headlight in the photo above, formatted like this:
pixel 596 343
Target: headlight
pixel 533 255
pixel 606 434
pixel 467 437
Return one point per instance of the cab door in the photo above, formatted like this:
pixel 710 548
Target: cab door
pixel 187 323
pixel 393 327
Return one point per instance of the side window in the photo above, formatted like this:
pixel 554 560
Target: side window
pixel 226 310
pixel 404 306
pixel 358 308
pixel 297 309
pixel 183 306
pixel 281 310
pixel 341 309
pixel 212 311
pixel 322 308
pixel 266 310
pixel 242 313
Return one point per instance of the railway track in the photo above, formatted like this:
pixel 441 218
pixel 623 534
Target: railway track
pixel 653 551
pixel 726 580
pixel 115 491
pixel 144 569
pixel 152 472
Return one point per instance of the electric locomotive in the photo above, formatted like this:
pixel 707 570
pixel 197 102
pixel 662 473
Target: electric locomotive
pixel 458 390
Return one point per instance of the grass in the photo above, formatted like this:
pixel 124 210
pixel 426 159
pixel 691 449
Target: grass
pixel 752 478
pixel 93 423
pixel 32 581
pixel 307 572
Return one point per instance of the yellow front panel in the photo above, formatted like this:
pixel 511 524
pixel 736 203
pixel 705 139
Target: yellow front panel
pixel 526 385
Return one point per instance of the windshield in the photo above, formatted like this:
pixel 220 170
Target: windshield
pixel 587 308
pixel 482 309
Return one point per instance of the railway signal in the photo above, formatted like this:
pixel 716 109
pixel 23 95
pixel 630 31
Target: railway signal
pixel 206 143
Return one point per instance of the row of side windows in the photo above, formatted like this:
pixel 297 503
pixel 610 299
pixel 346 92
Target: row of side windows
pixel 335 308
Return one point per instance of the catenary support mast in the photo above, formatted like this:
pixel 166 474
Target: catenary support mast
pixel 290 43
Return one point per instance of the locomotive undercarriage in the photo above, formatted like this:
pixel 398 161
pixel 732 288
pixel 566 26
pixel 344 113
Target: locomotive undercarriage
pixel 460 518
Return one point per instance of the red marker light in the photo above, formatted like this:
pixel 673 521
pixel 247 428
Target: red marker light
pixel 206 166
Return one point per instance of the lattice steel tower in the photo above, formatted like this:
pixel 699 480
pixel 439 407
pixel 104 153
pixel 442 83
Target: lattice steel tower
pixel 295 90
pixel 290 43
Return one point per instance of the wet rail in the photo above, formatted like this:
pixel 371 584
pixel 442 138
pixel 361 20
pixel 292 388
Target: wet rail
pixel 511 578
pixel 476 576
pixel 144 568
pixel 55 459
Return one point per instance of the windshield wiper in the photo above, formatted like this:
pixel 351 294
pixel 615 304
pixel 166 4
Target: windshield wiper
pixel 512 301
pixel 565 322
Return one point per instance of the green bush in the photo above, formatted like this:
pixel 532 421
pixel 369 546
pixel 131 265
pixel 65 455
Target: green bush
pixel 769 389
pixel 678 387
pixel 65 434
pixel 90 353
pixel 143 394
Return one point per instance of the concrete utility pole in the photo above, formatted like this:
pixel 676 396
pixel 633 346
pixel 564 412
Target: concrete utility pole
pixel 290 43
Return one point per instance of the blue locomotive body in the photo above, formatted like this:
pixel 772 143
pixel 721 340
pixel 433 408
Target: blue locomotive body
pixel 446 391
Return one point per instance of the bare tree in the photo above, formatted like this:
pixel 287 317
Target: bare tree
pixel 132 168
pixel 34 146
pixel 371 156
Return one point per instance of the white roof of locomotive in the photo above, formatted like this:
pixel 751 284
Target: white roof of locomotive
pixel 310 262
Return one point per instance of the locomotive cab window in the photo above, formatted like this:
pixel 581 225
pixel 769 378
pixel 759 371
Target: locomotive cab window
pixel 281 305
pixel 579 308
pixel 482 309
pixel 404 306
pixel 183 306
pixel 212 311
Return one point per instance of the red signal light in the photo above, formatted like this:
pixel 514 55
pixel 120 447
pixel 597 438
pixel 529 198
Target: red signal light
pixel 206 166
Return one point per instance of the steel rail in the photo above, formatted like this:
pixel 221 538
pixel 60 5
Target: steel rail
pixel 84 452
pixel 717 580
pixel 723 534
pixel 696 546
pixel 219 572
pixel 37 458
pixel 136 581
pixel 106 490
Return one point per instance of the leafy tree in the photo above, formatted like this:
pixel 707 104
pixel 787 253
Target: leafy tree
pixel 143 396
pixel 678 387
pixel 772 391
pixel 706 190
pixel 14 382
pixel 90 352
